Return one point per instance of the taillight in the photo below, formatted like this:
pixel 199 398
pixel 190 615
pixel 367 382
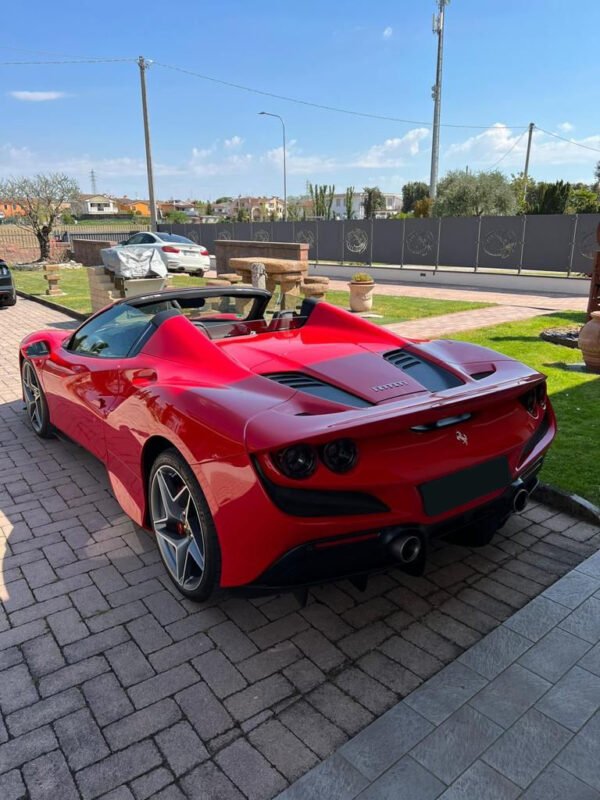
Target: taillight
pixel 340 455
pixel 298 461
pixel 203 251
pixel 535 400
pixel 168 248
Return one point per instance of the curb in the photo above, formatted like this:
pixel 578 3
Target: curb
pixel 54 306
pixel 571 504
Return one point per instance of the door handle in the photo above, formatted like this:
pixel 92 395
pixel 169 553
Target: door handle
pixel 142 376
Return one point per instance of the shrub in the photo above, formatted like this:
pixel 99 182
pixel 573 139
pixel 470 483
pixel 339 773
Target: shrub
pixel 362 277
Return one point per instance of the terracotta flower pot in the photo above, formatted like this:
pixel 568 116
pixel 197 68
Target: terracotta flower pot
pixel 589 342
pixel 361 295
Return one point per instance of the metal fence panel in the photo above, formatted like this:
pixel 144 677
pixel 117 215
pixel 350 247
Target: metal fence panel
pixel 387 241
pixel 548 242
pixel 585 245
pixel 421 241
pixel 331 240
pixel 225 230
pixel 458 241
pixel 500 242
pixel 283 231
pixel 358 240
pixel 308 233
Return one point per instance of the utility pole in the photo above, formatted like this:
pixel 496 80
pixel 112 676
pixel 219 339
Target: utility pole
pixel 526 170
pixel 93 181
pixel 143 65
pixel 436 93
pixel 268 114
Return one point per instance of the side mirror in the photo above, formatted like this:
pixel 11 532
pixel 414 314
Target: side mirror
pixel 38 349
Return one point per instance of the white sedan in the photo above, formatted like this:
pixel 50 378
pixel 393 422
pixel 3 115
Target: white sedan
pixel 178 253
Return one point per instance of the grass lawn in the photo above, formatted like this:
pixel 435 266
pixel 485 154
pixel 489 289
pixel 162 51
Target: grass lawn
pixel 572 462
pixel 393 309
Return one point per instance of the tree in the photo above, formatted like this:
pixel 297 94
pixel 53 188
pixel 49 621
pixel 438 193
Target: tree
pixel 373 201
pixel 349 202
pixel 322 199
pixel 423 207
pixel 462 194
pixel 412 192
pixel 43 199
pixel 552 198
pixel 223 199
pixel 177 217
pixel 208 209
pixel 525 192
pixel 583 200
pixel 597 174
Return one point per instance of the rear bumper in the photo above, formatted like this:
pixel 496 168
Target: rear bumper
pixel 8 295
pixel 369 551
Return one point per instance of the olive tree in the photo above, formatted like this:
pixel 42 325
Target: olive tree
pixel 462 194
pixel 43 198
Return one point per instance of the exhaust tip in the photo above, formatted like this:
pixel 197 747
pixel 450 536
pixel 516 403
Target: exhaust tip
pixel 520 500
pixel 406 548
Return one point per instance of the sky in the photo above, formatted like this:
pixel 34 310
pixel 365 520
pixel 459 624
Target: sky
pixel 505 64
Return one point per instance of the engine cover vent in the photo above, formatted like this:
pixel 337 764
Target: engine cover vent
pixel 430 375
pixel 317 388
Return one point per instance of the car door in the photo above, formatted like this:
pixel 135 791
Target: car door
pixel 82 378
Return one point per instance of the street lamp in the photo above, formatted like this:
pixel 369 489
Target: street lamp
pixel 268 114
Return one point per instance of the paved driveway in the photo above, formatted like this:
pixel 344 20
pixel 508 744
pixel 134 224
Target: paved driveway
pixel 111 685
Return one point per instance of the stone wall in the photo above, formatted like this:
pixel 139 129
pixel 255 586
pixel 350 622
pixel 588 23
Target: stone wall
pixel 232 248
pixel 102 288
pixel 87 252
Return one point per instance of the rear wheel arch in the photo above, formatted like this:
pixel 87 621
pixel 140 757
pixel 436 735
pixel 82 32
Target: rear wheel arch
pixel 153 447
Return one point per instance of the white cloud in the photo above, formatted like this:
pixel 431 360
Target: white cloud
pixel 485 148
pixel 566 127
pixel 234 142
pixel 393 152
pixel 37 97
pixel 387 32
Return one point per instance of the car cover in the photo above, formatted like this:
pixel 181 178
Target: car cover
pixel 134 262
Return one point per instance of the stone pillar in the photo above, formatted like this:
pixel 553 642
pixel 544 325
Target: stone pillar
pixel 259 275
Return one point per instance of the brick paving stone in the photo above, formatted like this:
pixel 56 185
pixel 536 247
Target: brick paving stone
pixel 108 579
pixel 89 601
pixel 256 698
pixel 209 775
pixel 312 728
pixel 219 673
pixel 181 747
pixel 282 749
pixel 364 640
pixel 80 739
pixel 25 748
pixel 274 632
pixel 149 634
pixel 482 781
pixel 279 606
pixel 329 623
pixel 17 688
pixel 344 712
pixel 10 657
pixel 584 621
pixel 151 783
pixel 177 653
pixel 67 626
pixel 389 673
pixel 498 650
pixel 17 595
pixel 137 726
pixel 250 771
pixel 573 699
pixel 432 642
pixel 65 586
pixel 117 616
pixel 12 786
pixel 129 663
pixel 172 792
pixel 38 611
pixel 246 616
pixel 163 685
pixel 39 573
pixel 411 657
pixel 43 655
pixel 232 641
pixel 272 660
pixel 49 776
pixel 131 593
pixel 106 698
pixel 44 711
pixel 555 783
pixel 304 675
pixel 94 644
pixel 319 649
pixel 370 693
pixel 164 607
pixel 117 769
pixel 195 623
pixel 204 711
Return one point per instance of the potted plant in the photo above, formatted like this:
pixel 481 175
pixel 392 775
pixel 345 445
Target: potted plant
pixel 361 286
pixel 589 342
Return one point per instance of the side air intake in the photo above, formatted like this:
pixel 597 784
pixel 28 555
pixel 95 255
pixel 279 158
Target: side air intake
pixel 317 388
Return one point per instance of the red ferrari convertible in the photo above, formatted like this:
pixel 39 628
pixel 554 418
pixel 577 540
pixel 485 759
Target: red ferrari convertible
pixel 292 448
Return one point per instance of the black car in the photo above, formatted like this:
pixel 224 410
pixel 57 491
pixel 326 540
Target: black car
pixel 8 295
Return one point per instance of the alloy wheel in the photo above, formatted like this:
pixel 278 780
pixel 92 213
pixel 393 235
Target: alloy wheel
pixel 33 397
pixel 178 528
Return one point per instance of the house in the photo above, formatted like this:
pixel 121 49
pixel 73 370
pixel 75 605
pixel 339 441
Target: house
pixel 258 209
pixel 139 208
pixel 393 204
pixel 9 208
pixel 96 205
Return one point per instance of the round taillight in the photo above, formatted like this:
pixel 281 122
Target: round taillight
pixel 540 395
pixel 298 461
pixel 340 455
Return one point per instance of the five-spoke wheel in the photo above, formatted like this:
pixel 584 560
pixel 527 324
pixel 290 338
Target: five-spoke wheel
pixel 183 526
pixel 35 402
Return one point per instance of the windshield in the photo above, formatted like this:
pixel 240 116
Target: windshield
pixel 173 237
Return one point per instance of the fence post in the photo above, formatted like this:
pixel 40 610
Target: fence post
pixel 343 240
pixel 371 243
pixel 402 250
pixel 572 249
pixel 437 252
pixel 478 242
pixel 523 233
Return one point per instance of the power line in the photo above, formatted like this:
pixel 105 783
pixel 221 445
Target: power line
pixel 323 107
pixel 69 61
pixel 508 152
pixel 570 141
